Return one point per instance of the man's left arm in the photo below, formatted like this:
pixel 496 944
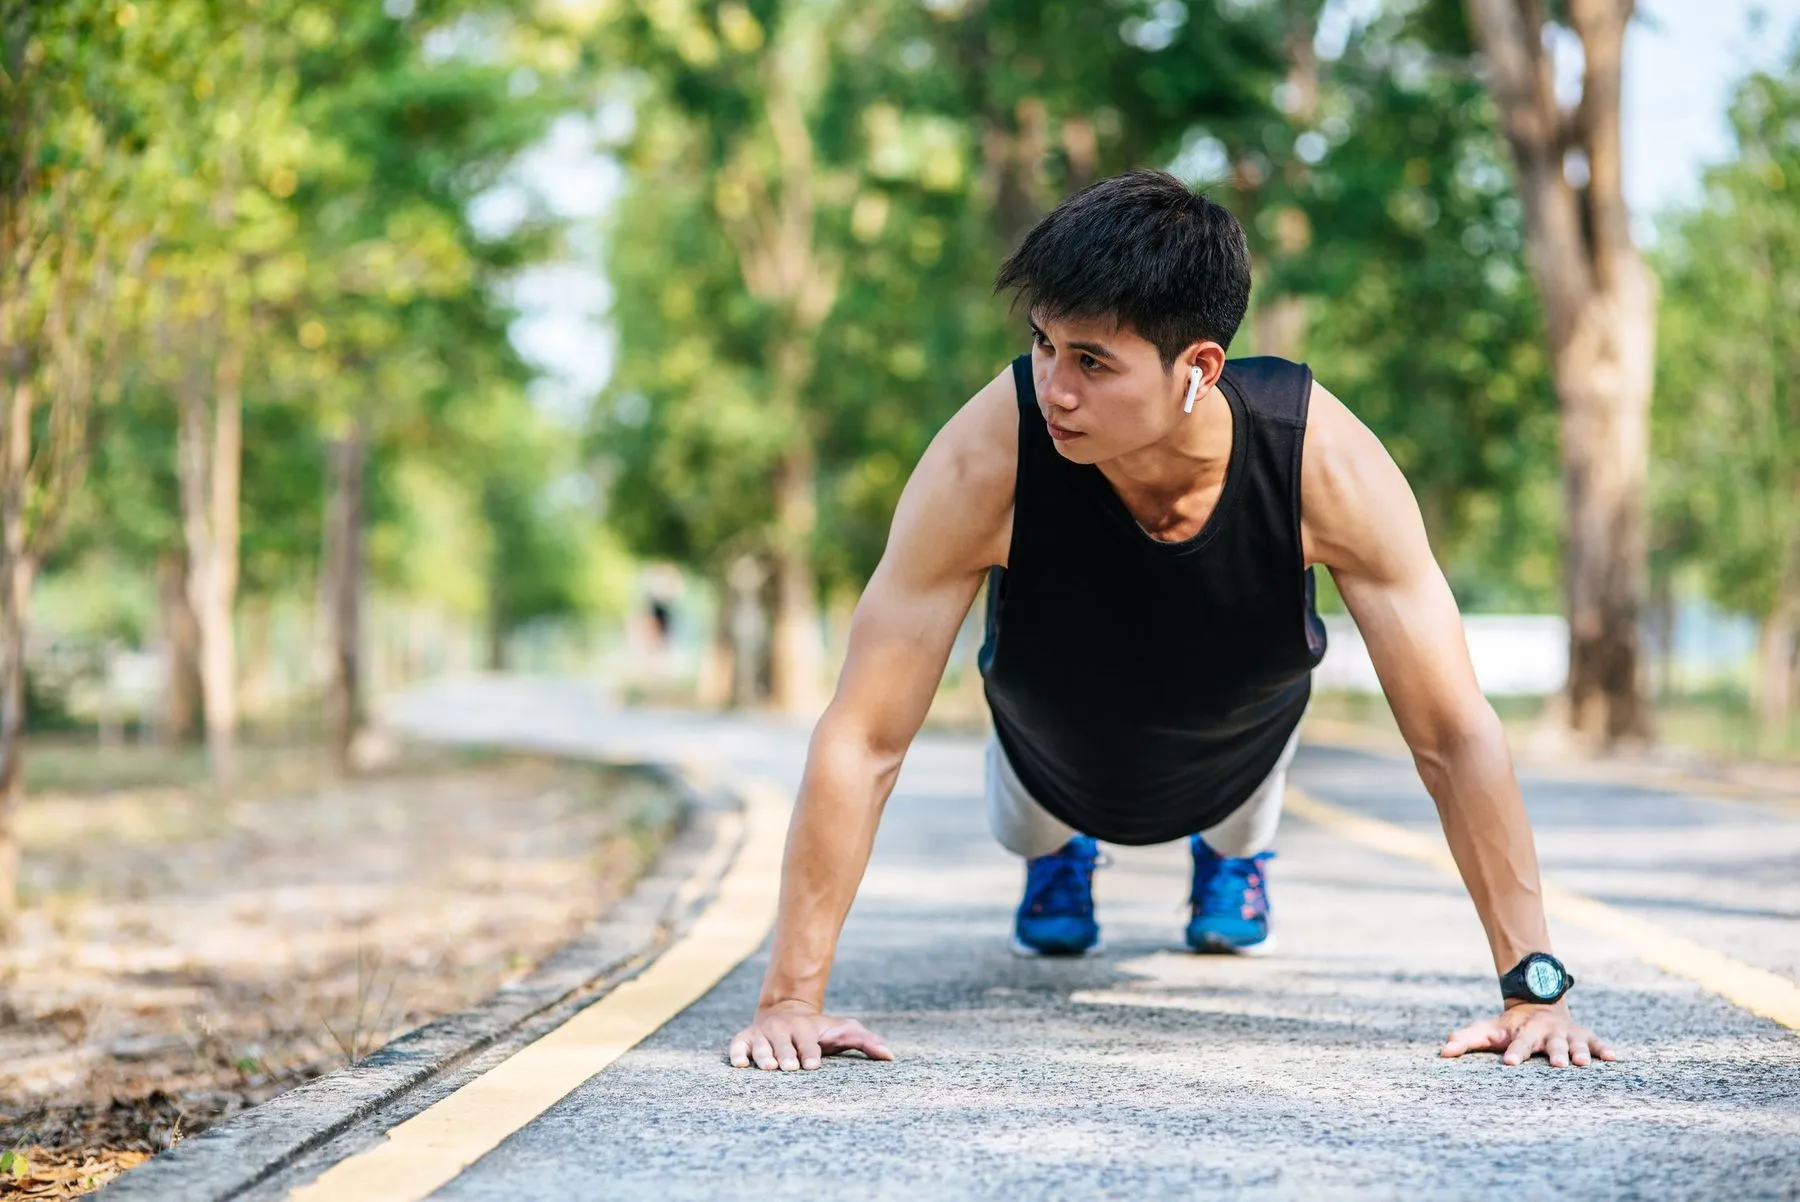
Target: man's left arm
pixel 1360 519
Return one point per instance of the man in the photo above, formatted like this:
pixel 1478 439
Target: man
pixel 1150 514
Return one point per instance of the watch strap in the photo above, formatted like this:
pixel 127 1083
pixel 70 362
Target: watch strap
pixel 1514 987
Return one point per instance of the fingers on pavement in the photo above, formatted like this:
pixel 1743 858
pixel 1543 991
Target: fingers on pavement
pixel 1477 1037
pixel 853 1036
pixel 1522 1048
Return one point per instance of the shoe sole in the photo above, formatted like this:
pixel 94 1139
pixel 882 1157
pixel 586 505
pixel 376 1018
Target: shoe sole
pixel 1218 946
pixel 1026 952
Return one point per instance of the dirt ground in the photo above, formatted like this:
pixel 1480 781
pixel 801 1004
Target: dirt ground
pixel 180 960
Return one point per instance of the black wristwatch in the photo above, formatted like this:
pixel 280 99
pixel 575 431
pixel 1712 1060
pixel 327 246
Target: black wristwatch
pixel 1539 977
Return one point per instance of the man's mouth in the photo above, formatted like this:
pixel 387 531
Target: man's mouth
pixel 1060 434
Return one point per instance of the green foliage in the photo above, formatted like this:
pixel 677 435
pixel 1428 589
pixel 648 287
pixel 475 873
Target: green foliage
pixel 306 169
pixel 938 133
pixel 1726 424
pixel 1424 319
pixel 294 178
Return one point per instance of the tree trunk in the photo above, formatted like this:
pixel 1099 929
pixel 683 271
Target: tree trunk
pixel 796 658
pixel 181 634
pixel 1662 606
pixel 210 462
pixel 496 637
pixel 343 593
pixel 16 569
pixel 1281 320
pixel 1603 376
pixel 256 690
pixel 1599 312
pixel 712 689
pixel 1013 154
pixel 786 267
pixel 1775 666
pixel 749 632
pixel 14 608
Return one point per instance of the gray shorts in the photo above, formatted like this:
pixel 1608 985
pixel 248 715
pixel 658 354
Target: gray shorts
pixel 1026 829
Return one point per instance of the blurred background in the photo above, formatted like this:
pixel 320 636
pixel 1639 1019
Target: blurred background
pixel 346 345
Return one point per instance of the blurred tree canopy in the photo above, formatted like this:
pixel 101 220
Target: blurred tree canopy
pixel 1424 319
pixel 1727 420
pixel 255 345
pixel 250 332
pixel 939 133
pixel 821 193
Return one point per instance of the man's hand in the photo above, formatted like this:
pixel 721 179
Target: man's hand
pixel 790 1038
pixel 1525 1030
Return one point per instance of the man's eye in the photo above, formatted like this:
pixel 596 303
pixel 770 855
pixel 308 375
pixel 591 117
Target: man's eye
pixel 1089 362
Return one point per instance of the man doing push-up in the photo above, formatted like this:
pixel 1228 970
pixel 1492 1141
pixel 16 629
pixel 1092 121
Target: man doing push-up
pixel 1148 513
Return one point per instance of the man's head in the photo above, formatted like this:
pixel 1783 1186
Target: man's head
pixel 1130 283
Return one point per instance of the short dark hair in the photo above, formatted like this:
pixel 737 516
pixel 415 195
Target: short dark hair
pixel 1141 248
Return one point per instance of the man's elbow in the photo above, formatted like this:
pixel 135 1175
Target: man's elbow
pixel 1469 735
pixel 847 747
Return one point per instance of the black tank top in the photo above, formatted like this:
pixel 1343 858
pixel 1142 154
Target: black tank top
pixel 1141 689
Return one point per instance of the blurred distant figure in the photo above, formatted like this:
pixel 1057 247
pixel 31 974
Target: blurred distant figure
pixel 663 586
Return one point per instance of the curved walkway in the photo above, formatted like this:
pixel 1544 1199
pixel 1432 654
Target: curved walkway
pixel 1148 1073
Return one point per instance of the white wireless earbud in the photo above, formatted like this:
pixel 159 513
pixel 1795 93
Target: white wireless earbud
pixel 1187 406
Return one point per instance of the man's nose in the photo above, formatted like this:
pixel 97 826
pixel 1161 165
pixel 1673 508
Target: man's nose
pixel 1054 391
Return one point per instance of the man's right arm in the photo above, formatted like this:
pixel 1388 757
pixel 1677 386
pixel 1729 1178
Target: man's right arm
pixel 954 519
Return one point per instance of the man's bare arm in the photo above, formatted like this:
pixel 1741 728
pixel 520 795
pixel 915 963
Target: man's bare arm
pixel 1362 521
pixel 952 522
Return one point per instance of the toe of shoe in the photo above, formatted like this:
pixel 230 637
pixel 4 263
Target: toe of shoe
pixel 1227 935
pixel 1056 936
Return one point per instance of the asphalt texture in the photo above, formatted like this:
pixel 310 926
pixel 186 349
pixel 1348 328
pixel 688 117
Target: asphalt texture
pixel 1146 1072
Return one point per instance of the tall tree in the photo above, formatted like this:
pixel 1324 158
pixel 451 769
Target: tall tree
pixel 209 452
pixel 1423 315
pixel 884 188
pixel 756 82
pixel 1727 424
pixel 1599 302
pixel 72 244
pixel 227 150
pixel 398 317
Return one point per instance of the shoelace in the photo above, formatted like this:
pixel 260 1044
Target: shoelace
pixel 1234 883
pixel 1062 884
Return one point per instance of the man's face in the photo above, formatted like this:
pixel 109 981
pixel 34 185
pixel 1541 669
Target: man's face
pixel 1101 388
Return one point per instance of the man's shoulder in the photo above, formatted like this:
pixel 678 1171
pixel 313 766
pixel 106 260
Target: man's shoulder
pixel 1271 387
pixel 1338 448
pixel 956 510
pixel 978 448
pixel 1349 485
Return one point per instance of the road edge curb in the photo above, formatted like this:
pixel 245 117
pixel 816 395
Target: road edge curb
pixel 256 1144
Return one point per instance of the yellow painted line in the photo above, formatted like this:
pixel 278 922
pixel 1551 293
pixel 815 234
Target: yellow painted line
pixel 1757 990
pixel 1333 732
pixel 429 1149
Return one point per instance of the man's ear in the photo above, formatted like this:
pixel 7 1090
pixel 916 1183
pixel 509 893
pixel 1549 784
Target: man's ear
pixel 1208 356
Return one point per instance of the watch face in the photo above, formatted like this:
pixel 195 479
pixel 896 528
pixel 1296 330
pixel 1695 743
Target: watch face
pixel 1543 979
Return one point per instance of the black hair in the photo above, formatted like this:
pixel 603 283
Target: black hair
pixel 1143 249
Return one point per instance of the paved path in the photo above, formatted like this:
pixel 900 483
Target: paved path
pixel 1146 1073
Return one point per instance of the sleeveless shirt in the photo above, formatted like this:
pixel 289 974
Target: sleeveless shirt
pixel 1142 689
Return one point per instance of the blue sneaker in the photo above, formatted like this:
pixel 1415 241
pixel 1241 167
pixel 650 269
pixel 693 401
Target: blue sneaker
pixel 1056 916
pixel 1230 898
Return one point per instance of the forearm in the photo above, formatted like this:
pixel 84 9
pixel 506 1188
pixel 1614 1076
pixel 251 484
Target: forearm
pixel 833 829
pixel 1470 777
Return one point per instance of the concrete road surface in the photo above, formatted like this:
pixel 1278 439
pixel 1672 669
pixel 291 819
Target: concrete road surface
pixel 1148 1073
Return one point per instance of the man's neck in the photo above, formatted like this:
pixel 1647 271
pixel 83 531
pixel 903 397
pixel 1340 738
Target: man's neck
pixel 1190 460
